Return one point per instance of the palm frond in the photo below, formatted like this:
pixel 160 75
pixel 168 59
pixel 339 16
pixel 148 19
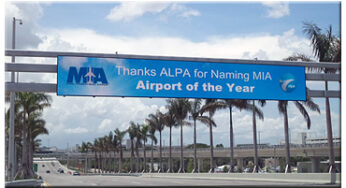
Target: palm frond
pixel 186 123
pixel 211 107
pixel 303 111
pixel 311 105
pixel 258 112
pixel 282 106
pixel 206 120
pixel 262 102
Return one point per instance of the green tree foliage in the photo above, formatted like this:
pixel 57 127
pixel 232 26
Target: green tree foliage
pixel 189 166
pixel 28 113
pixel 180 108
pixel 327 48
pixel 198 145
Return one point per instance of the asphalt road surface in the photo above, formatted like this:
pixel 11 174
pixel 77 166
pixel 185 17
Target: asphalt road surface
pixel 54 178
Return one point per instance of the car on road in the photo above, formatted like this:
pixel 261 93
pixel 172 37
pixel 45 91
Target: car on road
pixel 48 171
pixel 76 173
pixel 60 170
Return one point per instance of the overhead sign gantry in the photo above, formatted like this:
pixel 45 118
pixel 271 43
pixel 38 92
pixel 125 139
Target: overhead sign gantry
pixel 52 68
pixel 163 76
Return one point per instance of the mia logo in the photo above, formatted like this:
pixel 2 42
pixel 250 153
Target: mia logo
pixel 87 76
pixel 288 82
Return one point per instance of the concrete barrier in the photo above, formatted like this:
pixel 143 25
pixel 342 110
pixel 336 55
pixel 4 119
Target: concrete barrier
pixel 24 183
pixel 315 178
pixel 111 174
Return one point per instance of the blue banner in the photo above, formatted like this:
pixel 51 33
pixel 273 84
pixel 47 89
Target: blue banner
pixel 90 76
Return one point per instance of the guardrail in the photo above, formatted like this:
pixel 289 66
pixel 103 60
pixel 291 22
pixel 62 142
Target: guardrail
pixel 175 149
pixel 24 183
pixel 112 174
pixel 313 178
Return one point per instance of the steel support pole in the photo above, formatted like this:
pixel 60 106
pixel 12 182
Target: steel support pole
pixel 86 163
pixel 11 136
pixel 255 170
pixel 329 134
pixel 12 96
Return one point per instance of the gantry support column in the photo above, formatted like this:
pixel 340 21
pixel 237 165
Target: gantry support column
pixel 315 164
pixel 240 163
pixel 200 164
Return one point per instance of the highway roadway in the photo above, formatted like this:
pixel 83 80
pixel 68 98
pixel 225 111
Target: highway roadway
pixel 54 178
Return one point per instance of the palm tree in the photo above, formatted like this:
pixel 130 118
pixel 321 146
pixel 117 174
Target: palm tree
pixel 115 147
pixel 108 148
pixel 104 148
pixel 327 48
pixel 138 139
pixel 95 149
pixel 282 106
pixel 18 122
pixel 259 113
pixel 170 121
pixel 37 127
pixel 211 105
pixel 85 149
pixel 90 147
pixel 101 146
pixel 144 131
pixel 29 103
pixel 152 130
pixel 196 111
pixel 120 136
pixel 180 108
pixel 230 104
pixel 37 143
pixel 132 133
pixel 156 120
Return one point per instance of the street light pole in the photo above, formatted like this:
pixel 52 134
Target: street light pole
pixel 11 148
pixel 14 38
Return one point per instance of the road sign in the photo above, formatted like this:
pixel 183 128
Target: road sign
pixel 90 76
pixel 35 167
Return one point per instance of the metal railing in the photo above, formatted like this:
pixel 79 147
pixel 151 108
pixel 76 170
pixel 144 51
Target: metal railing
pixel 303 148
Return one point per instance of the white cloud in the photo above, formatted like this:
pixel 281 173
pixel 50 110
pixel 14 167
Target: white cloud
pixel 277 9
pixel 128 11
pixel 262 46
pixel 106 124
pixel 183 11
pixel 189 13
pixel 97 115
pixel 78 130
pixel 26 34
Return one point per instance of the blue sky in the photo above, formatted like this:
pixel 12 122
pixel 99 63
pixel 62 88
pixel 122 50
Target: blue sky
pixel 223 18
pixel 267 31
